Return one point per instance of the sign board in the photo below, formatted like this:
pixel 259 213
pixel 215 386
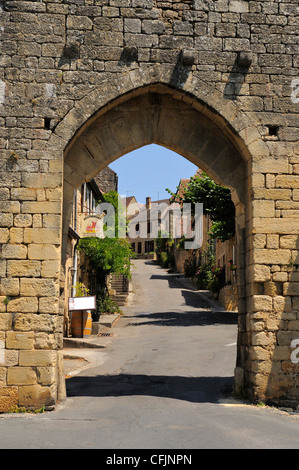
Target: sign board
pixel 92 226
pixel 82 303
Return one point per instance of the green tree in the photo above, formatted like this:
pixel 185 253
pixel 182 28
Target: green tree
pixel 217 203
pixel 163 245
pixel 118 219
pixel 108 255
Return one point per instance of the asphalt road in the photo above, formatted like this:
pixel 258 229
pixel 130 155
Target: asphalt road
pixel 163 383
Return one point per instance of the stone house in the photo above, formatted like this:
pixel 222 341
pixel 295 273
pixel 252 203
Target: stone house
pixel 132 206
pixel 145 223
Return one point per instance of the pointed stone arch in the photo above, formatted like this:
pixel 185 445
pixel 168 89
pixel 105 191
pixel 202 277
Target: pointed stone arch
pixel 77 76
pixel 144 107
pixel 224 116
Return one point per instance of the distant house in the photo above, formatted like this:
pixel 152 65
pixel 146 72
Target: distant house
pixel 132 206
pixel 145 223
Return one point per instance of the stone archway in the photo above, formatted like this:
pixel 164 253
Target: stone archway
pixel 129 111
pixel 163 115
pixel 227 66
pixel 217 136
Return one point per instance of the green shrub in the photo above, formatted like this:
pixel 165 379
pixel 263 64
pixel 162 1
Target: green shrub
pixel 164 259
pixel 107 305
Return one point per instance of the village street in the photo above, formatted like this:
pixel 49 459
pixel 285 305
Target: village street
pixel 163 382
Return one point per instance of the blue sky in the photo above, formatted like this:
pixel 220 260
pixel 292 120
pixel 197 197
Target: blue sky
pixel 149 170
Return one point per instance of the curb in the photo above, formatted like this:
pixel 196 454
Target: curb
pixel 204 294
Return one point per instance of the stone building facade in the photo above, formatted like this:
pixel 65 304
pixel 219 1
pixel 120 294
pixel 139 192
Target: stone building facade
pixel 145 224
pixel 82 82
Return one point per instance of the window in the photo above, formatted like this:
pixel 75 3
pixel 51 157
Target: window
pixel 88 200
pixel 149 246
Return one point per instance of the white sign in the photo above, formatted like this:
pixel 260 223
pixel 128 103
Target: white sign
pixel 92 226
pixel 82 303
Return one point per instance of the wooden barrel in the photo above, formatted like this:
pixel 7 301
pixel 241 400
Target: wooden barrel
pixel 81 324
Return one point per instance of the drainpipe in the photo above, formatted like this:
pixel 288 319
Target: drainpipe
pixel 84 198
pixel 75 261
pixel 75 269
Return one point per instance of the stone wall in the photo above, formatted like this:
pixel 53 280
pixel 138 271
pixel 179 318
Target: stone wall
pixel 107 180
pixel 228 297
pixel 68 70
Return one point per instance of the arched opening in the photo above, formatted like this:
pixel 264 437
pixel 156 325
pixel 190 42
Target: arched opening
pixel 154 115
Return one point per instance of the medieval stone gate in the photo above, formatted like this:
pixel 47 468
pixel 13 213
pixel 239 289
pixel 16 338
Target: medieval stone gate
pixel 82 82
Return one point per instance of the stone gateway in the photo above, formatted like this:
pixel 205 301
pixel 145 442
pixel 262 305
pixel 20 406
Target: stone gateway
pixel 82 82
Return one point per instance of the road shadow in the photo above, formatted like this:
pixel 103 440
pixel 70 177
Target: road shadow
pixel 192 389
pixel 188 318
pixel 194 300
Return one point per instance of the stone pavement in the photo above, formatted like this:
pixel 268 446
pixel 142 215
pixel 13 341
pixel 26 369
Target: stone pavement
pixel 83 353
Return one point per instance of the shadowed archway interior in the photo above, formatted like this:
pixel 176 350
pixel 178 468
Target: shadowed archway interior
pixel 152 118
pixel 166 120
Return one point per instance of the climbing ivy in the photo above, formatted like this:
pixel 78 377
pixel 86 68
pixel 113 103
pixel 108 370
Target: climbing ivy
pixel 109 255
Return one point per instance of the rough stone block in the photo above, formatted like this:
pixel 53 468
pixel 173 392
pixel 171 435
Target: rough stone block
pixel 260 303
pixel 9 287
pixel 4 235
pixel 263 208
pixel 43 252
pixel 46 375
pixel 37 358
pixel 21 376
pixel 48 305
pixel 41 236
pixel 34 322
pixel 38 287
pixel 23 268
pixel 23 304
pixel 17 340
pixel 14 251
pixel 263 339
pixel 260 273
pixel 79 22
pixel 23 220
pixel 291 288
pixel 270 256
pixel 287 181
pixel 5 321
pixel 9 398
pixel 35 396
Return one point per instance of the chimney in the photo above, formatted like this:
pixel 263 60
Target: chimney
pixel 148 202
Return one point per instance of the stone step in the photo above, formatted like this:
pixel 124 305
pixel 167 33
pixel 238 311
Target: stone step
pixel 106 320
pixel 91 341
pixel 120 302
